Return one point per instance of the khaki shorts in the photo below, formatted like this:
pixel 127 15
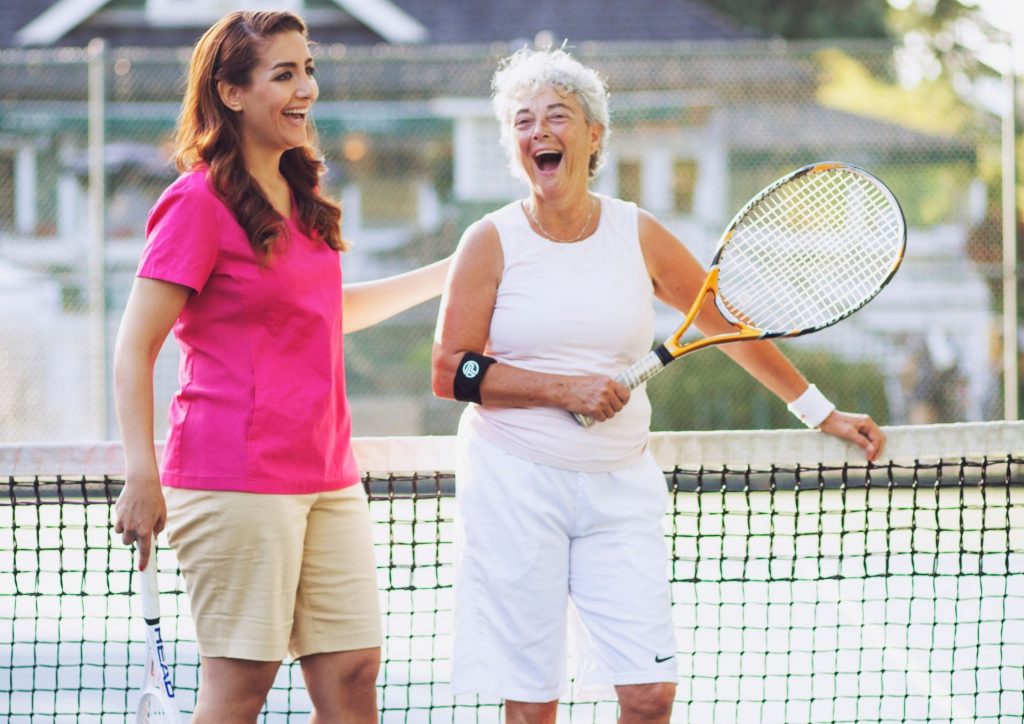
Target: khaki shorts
pixel 270 576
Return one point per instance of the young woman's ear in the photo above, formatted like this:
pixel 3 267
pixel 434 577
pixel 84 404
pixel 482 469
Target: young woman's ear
pixel 230 95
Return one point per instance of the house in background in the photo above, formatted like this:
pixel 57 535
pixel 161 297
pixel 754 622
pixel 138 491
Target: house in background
pixel 423 102
pixel 704 114
pixel 163 23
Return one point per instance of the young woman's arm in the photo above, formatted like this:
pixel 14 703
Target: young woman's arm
pixel 364 304
pixel 152 308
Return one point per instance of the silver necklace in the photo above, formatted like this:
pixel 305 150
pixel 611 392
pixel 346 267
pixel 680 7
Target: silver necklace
pixel 550 236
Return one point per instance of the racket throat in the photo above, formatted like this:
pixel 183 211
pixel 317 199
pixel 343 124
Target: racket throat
pixel 662 353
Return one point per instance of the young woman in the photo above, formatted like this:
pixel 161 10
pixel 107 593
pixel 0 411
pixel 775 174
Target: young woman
pixel 258 487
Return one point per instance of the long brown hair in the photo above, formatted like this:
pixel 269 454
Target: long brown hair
pixel 208 133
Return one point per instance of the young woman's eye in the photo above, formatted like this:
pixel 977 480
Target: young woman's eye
pixel 310 71
pixel 287 75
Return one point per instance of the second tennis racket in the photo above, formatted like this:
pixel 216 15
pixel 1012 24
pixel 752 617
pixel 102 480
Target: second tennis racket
pixel 806 252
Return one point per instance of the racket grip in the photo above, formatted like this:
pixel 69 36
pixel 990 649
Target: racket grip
pixel 149 590
pixel 642 370
pixel 632 377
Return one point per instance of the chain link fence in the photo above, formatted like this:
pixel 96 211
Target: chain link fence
pixel 413 153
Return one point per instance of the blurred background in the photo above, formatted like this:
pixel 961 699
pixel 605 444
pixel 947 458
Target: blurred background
pixel 711 100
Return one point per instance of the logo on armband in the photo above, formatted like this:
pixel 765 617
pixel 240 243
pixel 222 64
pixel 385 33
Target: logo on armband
pixel 470 369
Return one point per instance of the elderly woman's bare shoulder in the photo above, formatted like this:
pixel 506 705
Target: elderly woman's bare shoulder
pixel 480 248
pixel 480 236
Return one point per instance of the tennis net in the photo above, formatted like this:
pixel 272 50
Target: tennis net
pixel 808 586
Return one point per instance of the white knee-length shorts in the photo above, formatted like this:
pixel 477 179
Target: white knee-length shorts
pixel 538 547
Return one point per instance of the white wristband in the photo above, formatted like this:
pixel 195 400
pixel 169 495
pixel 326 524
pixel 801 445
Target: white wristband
pixel 812 407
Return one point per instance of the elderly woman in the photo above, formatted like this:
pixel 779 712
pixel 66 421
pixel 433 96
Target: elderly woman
pixel 547 299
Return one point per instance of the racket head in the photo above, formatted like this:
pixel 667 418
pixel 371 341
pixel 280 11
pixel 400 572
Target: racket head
pixel 157 701
pixel 155 708
pixel 809 250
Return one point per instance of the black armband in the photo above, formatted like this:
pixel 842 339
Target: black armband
pixel 469 375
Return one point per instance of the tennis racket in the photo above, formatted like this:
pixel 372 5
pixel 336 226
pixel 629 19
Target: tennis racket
pixel 806 252
pixel 157 703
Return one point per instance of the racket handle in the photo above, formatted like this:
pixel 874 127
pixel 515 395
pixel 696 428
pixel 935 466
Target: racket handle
pixel 632 377
pixel 149 590
pixel 642 370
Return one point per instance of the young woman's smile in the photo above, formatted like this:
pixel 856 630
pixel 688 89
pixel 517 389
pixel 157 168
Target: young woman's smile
pixel 274 108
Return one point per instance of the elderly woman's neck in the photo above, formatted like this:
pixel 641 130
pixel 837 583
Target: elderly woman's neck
pixel 561 203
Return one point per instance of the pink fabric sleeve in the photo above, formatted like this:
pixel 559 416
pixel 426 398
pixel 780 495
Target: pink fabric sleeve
pixel 182 240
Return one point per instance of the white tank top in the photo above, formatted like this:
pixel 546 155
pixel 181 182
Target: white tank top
pixel 580 308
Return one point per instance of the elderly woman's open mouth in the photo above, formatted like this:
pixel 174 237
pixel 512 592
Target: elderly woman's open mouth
pixel 547 161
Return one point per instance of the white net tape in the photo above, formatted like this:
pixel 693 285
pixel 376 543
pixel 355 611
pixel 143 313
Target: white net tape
pixel 396 455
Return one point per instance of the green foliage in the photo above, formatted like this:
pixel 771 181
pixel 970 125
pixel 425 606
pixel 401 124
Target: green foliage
pixel 929 193
pixel 799 19
pixel 707 391
pixel 931 106
pixel 940 28
pixel 393 357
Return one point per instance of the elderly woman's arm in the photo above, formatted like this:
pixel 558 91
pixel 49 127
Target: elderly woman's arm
pixel 464 326
pixel 677 278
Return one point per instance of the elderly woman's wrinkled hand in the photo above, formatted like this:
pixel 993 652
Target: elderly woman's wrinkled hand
pixel 858 429
pixel 596 396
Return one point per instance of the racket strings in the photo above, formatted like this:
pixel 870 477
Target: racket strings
pixel 810 252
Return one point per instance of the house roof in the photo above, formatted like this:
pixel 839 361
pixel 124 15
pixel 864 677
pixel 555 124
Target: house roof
pixel 16 13
pixel 452 21
pixel 788 126
pixel 363 22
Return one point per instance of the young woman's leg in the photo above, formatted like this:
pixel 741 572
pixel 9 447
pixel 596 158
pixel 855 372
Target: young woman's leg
pixel 232 691
pixel 343 686
pixel 336 634
pixel 240 555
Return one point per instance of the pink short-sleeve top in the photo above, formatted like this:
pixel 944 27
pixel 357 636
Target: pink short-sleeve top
pixel 261 406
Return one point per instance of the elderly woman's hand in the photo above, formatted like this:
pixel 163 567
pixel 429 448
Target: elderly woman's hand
pixel 595 396
pixel 858 429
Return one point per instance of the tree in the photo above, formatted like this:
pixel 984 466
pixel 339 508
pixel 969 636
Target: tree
pixel 801 20
pixel 948 38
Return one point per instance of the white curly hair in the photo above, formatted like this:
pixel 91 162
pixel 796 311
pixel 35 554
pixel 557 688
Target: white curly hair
pixel 531 70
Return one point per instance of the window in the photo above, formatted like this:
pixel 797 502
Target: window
pixel 630 178
pixel 6 192
pixel 684 181
pixel 480 163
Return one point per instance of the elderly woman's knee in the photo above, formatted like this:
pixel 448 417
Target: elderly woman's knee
pixel 647 702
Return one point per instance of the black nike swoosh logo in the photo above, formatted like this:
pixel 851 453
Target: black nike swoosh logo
pixel 663 659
